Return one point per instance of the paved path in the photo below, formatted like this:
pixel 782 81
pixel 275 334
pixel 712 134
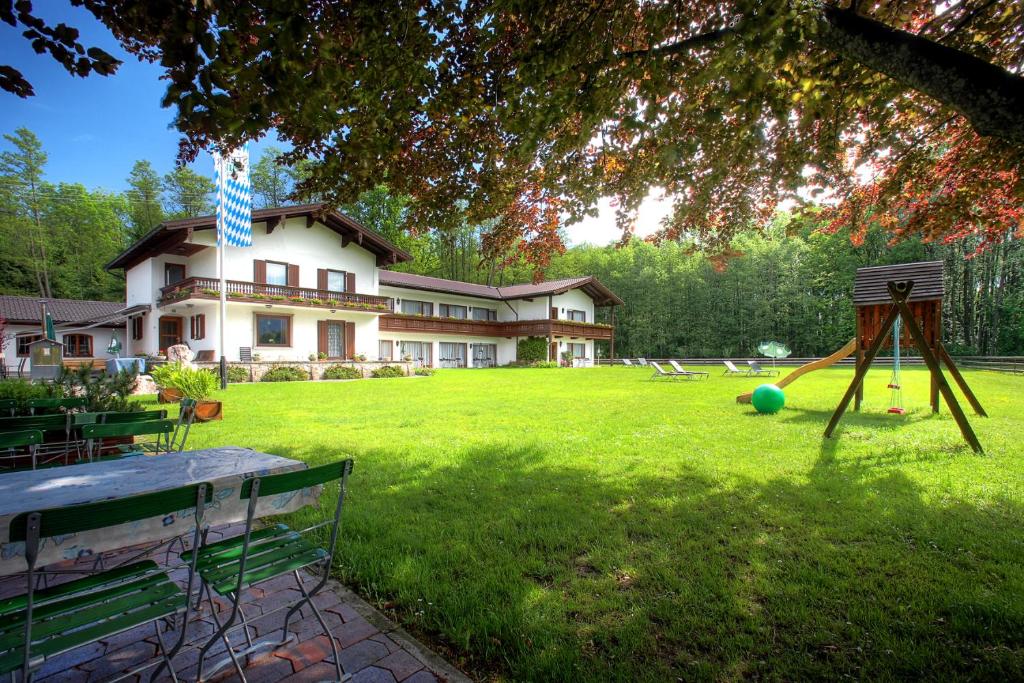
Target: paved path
pixel 372 648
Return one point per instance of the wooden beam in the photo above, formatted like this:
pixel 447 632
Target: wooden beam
pixel 346 240
pixel 310 220
pixel 273 222
pixel 960 381
pixel 933 365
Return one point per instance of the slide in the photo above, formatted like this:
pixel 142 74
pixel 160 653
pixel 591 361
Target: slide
pixel 842 353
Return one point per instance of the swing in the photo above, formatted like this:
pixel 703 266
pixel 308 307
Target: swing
pixel 896 391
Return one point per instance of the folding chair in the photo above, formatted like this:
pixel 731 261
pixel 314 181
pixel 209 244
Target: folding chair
pixel 94 434
pixel 58 439
pixel 234 564
pixel 694 374
pixel 8 406
pixel 138 416
pixel 15 445
pixel 661 372
pixel 732 371
pixel 186 415
pixel 757 371
pixel 627 362
pixel 44 623
pixel 641 361
pixel 53 404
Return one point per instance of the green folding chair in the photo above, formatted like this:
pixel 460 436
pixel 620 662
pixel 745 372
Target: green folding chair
pixel 44 623
pixel 234 564
pixel 95 434
pixel 138 416
pixel 58 439
pixel 186 415
pixel 52 404
pixel 8 406
pixel 15 445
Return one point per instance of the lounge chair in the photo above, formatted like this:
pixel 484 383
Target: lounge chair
pixel 697 374
pixel 628 363
pixel 662 372
pixel 757 371
pixel 732 371
pixel 641 361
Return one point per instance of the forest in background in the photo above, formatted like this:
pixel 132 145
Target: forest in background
pixel 792 282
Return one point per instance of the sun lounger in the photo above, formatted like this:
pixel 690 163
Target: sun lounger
pixel 641 361
pixel 757 371
pixel 732 371
pixel 660 372
pixel 697 374
pixel 628 363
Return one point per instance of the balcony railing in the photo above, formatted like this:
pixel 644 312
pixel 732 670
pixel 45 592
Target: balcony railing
pixel 253 292
pixel 398 322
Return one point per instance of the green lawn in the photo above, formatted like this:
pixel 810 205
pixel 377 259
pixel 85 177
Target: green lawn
pixel 592 525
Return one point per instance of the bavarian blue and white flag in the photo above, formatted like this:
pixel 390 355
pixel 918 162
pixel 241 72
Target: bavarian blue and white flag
pixel 234 197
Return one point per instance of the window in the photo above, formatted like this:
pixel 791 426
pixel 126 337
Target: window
pixel 23 341
pixel 484 313
pixel 138 327
pixel 336 280
pixel 277 273
pixel 173 272
pixel 451 355
pixel 452 311
pixel 484 355
pixel 411 307
pixel 78 345
pixel 577 350
pixel 197 326
pixel 419 352
pixel 273 330
pixel 385 350
pixel 578 316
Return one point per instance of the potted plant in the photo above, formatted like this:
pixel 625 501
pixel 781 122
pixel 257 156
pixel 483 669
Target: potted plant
pixel 178 381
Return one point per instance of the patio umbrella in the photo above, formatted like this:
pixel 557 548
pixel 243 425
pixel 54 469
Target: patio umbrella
pixel 773 350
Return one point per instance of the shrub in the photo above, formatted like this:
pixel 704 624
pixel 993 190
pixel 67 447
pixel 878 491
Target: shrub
pixel 211 292
pixel 236 295
pixel 236 374
pixel 342 372
pixel 424 372
pixel 315 302
pixel 532 349
pixel 22 390
pixel 102 392
pixel 388 371
pixel 544 364
pixel 285 373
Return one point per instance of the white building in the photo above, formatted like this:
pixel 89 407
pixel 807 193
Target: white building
pixel 86 329
pixel 314 283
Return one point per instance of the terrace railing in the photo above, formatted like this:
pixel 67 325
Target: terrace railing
pixel 254 292
pixel 398 322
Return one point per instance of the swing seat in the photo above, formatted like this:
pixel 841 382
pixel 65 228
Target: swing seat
pixel 896 411
pixel 894 386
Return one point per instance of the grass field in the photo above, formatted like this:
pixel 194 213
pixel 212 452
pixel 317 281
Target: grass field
pixel 592 525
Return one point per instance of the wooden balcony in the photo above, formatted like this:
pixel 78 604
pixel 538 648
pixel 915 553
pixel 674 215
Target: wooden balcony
pixel 397 322
pixel 252 292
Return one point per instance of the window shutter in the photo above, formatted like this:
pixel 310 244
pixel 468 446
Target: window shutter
pixel 201 326
pixel 259 272
pixel 350 282
pixel 321 336
pixel 350 340
pixel 192 327
pixel 293 275
pixel 321 278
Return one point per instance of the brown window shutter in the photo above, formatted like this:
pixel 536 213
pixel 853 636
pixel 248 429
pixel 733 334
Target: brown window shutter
pixel 192 327
pixel 259 272
pixel 350 282
pixel 350 340
pixel 201 325
pixel 293 275
pixel 321 278
pixel 321 336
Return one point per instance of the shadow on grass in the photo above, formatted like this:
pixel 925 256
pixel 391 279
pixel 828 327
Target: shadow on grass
pixel 517 568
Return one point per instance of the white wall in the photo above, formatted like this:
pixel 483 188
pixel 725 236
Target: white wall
pixel 100 340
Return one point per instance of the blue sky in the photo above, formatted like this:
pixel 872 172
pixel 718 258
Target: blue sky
pixel 93 129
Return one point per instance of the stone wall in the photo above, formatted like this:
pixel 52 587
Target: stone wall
pixel 314 368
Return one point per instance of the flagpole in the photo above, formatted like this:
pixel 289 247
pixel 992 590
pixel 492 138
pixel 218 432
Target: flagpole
pixel 221 244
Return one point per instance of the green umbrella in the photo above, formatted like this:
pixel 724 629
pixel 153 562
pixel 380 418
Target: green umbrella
pixel 773 350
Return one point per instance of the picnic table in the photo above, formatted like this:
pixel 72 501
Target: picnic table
pixel 224 467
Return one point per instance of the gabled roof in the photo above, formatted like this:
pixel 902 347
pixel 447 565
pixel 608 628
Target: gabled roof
pixel 172 236
pixel 28 310
pixel 601 295
pixel 871 284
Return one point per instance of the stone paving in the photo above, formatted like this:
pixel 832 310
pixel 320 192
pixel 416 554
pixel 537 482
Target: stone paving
pixel 372 648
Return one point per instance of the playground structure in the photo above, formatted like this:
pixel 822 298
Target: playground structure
pixel 910 293
pixel 896 306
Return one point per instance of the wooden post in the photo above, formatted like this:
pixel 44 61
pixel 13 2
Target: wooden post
pixel 862 368
pixel 960 381
pixel 858 397
pixel 936 370
pixel 934 392
pixel 611 352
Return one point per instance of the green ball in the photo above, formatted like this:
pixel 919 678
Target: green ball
pixel 768 398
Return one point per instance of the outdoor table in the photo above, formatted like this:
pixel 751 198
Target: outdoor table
pixel 116 365
pixel 225 468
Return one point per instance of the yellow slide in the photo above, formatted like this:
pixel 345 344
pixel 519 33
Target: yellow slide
pixel 842 353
